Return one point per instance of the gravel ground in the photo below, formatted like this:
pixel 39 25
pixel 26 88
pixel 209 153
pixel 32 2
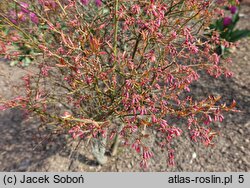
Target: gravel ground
pixel 24 148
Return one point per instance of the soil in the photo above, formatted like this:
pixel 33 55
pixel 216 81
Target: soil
pixel 24 148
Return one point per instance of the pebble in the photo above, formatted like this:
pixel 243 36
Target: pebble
pixel 194 155
pixel 132 163
pixel 241 15
pixel 99 167
pixel 242 149
pixel 223 150
pixel 245 160
pixel 240 131
pixel 129 166
pixel 24 165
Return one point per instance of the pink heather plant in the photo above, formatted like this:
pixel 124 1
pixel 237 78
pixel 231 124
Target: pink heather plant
pixel 121 71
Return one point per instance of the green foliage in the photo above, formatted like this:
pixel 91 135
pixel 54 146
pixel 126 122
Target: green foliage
pixel 26 58
pixel 229 32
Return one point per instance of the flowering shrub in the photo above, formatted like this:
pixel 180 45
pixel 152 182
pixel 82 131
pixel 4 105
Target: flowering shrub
pixel 118 69
pixel 225 27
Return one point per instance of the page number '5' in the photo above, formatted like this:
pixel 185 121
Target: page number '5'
pixel 241 179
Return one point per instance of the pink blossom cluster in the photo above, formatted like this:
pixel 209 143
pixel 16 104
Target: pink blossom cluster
pixel 23 14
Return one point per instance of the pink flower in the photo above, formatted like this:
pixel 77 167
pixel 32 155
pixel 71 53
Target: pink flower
pixel 194 134
pixel 34 18
pixel 49 4
pixel 66 115
pixel 163 123
pixel 174 34
pixel 228 74
pixel 134 129
pixel 171 157
pixel 144 164
pixel 84 2
pixel 215 58
pixel 154 119
pixel 24 7
pixel 142 110
pixel 98 3
pixel 112 135
pixel 187 34
pixel 208 120
pixel 137 146
pixel 135 9
pixel 176 131
pixel 21 16
pixel 45 70
pixel 218 117
pixel 17 16
pixel 227 21
pixel 147 154
pixel 76 132
pixel 3 107
pixel 233 9
pixel 151 56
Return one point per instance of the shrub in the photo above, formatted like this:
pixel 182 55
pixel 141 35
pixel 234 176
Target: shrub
pixel 111 70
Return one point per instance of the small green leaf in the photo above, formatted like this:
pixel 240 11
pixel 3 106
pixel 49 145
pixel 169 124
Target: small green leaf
pixel 26 61
pixel 238 34
pixel 219 25
pixel 13 63
pixel 222 49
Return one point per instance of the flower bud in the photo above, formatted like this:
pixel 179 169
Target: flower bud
pixel 227 21
pixel 233 9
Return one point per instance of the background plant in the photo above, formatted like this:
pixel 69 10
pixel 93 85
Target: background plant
pixel 226 27
pixel 117 69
